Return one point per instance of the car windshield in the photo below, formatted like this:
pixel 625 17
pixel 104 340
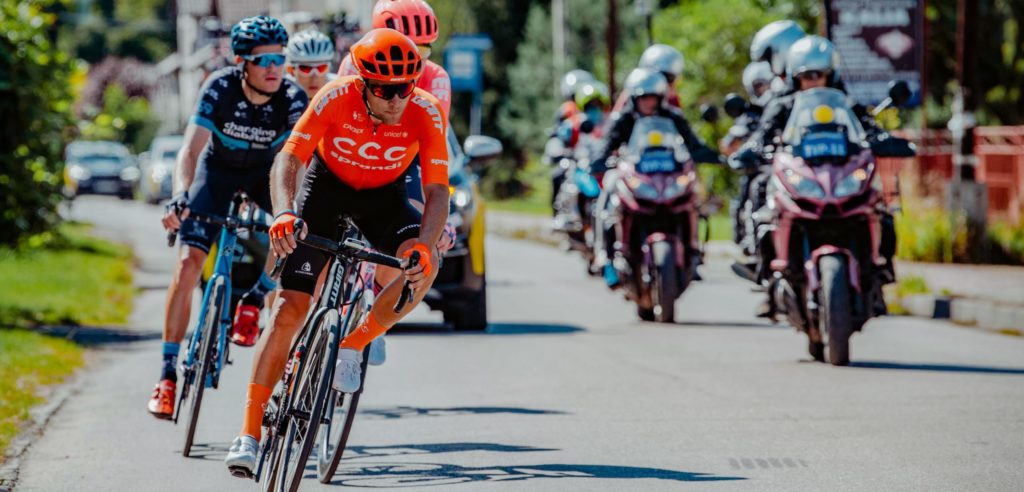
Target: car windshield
pixel 456 159
pixel 656 132
pixel 95 160
pixel 824 115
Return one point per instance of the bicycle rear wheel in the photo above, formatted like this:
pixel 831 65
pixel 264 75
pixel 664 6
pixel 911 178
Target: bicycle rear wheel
pixel 311 394
pixel 196 380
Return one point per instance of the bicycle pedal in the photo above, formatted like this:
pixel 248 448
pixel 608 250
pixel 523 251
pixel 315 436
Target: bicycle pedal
pixel 240 472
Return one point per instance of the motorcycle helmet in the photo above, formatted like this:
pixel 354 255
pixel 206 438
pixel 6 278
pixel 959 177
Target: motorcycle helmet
pixel 260 30
pixel 588 92
pixel 310 46
pixel 755 74
pixel 571 80
pixel 813 53
pixel 663 58
pixel 645 82
pixel 772 43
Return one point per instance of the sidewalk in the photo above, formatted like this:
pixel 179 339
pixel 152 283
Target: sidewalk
pixel 985 296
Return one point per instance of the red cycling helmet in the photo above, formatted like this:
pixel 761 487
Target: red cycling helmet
pixel 414 18
pixel 387 56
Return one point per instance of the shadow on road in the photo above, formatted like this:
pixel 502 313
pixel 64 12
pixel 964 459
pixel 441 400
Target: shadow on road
pixel 213 451
pixel 407 412
pixel 94 336
pixel 492 329
pixel 731 324
pixel 937 367
pixel 380 475
pixel 438 448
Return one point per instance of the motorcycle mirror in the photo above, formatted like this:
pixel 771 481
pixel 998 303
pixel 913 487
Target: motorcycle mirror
pixel 480 147
pixel 709 113
pixel 587 126
pixel 735 105
pixel 899 92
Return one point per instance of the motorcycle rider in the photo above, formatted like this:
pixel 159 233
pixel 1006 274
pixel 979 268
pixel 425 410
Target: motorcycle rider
pixel 567 87
pixel 757 79
pixel 660 58
pixel 812 63
pixel 592 100
pixel 647 91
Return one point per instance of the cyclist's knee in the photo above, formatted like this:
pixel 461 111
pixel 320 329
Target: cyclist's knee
pixel 191 262
pixel 289 309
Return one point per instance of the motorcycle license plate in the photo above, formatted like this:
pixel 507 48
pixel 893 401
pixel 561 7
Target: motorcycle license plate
pixel 661 161
pixel 823 144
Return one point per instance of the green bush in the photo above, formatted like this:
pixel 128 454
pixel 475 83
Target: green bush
pixel 124 119
pixel 36 101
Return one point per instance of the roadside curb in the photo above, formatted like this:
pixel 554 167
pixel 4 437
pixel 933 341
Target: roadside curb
pixel 55 397
pixel 994 316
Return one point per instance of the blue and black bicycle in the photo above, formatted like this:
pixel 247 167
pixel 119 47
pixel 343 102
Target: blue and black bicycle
pixel 208 343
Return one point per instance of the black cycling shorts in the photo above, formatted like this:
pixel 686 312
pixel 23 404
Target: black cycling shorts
pixel 211 193
pixel 383 215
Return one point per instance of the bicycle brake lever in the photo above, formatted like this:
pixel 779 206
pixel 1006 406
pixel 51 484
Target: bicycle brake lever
pixel 407 292
pixel 279 262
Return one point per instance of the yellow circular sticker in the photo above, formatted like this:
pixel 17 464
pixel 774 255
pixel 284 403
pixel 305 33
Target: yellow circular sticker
pixel 655 139
pixel 824 114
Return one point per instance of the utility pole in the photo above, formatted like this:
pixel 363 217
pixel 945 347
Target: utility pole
pixel 612 39
pixel 967 197
pixel 558 40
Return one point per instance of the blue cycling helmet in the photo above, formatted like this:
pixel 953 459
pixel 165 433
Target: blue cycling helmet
pixel 260 30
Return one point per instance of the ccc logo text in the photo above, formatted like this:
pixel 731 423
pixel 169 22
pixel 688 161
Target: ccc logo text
pixel 370 151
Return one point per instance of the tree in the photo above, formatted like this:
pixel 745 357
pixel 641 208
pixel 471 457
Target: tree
pixel 36 101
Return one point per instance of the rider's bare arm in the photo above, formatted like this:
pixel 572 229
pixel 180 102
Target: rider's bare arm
pixel 196 138
pixel 435 213
pixel 283 181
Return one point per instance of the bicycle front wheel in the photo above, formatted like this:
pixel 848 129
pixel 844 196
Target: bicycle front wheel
pixel 311 394
pixel 195 382
pixel 334 433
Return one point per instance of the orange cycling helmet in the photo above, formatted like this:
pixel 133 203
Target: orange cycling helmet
pixel 414 18
pixel 386 55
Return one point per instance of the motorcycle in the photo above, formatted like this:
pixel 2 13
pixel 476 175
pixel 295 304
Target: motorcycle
pixel 654 212
pixel 576 198
pixel 823 235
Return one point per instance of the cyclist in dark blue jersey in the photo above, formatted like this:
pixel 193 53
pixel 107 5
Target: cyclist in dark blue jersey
pixel 244 115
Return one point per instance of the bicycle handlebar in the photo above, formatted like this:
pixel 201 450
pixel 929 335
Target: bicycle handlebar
pixel 220 221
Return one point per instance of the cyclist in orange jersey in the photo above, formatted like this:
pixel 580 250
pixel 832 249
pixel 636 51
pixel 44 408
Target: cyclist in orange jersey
pixel 359 135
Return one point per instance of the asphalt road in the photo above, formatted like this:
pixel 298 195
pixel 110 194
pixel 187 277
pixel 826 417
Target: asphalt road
pixel 567 391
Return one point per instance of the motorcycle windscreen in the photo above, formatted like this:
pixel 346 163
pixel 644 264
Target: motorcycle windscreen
pixel 658 135
pixel 823 117
pixel 658 160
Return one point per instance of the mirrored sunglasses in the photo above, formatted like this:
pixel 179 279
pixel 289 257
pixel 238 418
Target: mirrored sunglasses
pixel 265 60
pixel 389 91
pixel 307 69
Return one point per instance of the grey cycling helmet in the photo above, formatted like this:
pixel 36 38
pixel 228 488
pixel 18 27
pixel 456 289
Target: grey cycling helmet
pixel 813 53
pixel 645 82
pixel 571 80
pixel 260 30
pixel 772 43
pixel 310 46
pixel 663 58
pixel 758 73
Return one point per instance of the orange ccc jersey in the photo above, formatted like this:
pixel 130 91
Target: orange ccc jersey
pixel 362 155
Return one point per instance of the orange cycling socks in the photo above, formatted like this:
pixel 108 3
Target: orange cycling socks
pixel 255 404
pixel 362 336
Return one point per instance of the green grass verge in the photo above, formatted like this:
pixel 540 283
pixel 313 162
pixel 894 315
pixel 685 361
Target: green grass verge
pixel 29 361
pixel 66 277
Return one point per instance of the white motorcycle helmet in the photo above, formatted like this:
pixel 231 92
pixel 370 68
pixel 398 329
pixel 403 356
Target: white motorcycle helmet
pixel 665 59
pixel 573 79
pixel 755 74
pixel 645 82
pixel 813 54
pixel 772 43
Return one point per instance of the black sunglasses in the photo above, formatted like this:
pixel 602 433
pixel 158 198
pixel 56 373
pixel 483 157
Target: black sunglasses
pixel 389 91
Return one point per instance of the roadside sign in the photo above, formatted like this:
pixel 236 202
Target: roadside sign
pixel 878 41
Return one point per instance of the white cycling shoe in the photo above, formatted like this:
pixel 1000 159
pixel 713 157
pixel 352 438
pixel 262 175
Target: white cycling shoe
pixel 241 458
pixel 377 353
pixel 347 372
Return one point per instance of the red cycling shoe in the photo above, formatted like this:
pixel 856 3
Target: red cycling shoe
pixel 246 328
pixel 161 403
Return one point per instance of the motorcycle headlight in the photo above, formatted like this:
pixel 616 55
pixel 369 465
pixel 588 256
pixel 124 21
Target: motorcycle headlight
pixel 460 197
pixel 804 187
pixel 851 184
pixel 641 189
pixel 130 173
pixel 681 184
pixel 79 173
